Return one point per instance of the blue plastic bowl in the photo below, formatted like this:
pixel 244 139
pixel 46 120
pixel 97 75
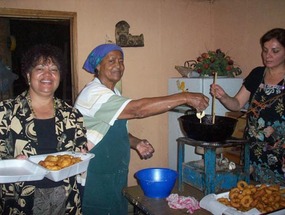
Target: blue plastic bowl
pixel 156 182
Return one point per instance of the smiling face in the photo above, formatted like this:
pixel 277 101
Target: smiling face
pixel 44 78
pixel 273 54
pixel 111 69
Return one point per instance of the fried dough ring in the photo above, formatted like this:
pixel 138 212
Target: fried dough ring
pixel 51 158
pixel 258 194
pixel 42 163
pixel 246 192
pixel 262 186
pixel 282 203
pixel 64 156
pixel 65 162
pixel 265 198
pixel 246 201
pixel 275 187
pixel 282 191
pixel 76 160
pixel 241 185
pixel 49 163
pixel 234 196
pixel 234 193
pixel 224 201
pixel 53 168
pixel 235 204
pixel 254 203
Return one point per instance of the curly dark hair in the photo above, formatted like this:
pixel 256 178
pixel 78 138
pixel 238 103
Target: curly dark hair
pixel 275 33
pixel 42 53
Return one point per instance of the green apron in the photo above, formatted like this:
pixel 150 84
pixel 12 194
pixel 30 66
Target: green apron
pixel 107 173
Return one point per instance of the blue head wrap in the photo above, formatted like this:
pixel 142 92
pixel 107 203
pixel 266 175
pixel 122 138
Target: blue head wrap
pixel 96 56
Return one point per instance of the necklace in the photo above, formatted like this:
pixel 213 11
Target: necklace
pixel 31 107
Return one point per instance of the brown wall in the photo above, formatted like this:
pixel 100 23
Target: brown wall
pixel 174 31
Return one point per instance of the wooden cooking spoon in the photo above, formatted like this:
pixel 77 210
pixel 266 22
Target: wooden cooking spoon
pixel 213 101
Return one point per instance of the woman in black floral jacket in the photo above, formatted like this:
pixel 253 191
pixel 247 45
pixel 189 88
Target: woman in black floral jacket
pixel 36 122
pixel 264 90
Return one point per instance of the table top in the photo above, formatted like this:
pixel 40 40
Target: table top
pixel 152 206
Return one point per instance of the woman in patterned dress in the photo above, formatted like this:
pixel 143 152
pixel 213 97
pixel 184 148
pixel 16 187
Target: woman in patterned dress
pixel 264 89
pixel 34 123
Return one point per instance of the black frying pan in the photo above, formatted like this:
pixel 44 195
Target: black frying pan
pixel 221 130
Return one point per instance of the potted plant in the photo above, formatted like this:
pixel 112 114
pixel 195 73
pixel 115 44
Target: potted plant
pixel 216 61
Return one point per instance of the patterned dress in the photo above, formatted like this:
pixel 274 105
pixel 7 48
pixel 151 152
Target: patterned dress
pixel 18 136
pixel 266 128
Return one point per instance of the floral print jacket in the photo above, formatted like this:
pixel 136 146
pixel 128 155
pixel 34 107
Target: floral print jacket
pixel 17 136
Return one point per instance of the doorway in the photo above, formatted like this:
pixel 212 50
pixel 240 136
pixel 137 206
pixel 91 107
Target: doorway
pixel 27 28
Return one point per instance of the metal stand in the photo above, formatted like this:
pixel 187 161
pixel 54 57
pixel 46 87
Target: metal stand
pixel 208 179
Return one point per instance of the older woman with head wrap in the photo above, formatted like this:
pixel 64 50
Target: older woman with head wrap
pixel 105 114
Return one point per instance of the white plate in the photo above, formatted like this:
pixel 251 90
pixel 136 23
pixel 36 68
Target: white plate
pixel 68 171
pixel 16 170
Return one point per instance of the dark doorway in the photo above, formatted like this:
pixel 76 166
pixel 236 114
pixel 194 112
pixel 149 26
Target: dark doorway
pixel 29 32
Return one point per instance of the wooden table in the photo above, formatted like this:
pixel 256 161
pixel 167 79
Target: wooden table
pixel 152 206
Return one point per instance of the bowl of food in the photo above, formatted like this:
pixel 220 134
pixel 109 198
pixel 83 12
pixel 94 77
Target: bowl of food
pixel 205 130
pixel 156 182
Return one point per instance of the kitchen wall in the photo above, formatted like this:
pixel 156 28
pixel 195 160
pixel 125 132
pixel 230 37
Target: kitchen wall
pixel 174 31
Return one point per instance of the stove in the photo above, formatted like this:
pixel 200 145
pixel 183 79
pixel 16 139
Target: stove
pixel 205 174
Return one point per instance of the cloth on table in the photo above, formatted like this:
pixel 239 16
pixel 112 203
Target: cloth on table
pixel 181 202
